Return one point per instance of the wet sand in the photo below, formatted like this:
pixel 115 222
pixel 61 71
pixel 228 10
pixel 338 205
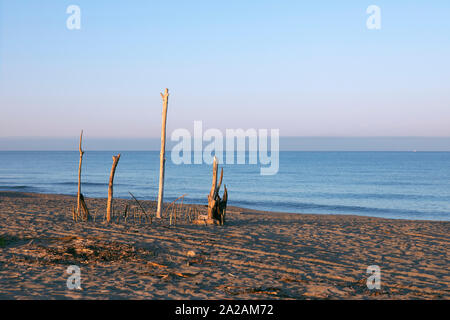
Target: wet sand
pixel 256 255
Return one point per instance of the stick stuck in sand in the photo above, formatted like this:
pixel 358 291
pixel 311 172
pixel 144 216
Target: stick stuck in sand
pixel 110 187
pixel 162 159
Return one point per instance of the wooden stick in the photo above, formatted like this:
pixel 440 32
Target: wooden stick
pixel 79 175
pixel 214 178
pixel 223 206
pixel 139 204
pixel 84 207
pixel 173 202
pixel 110 187
pixel 212 193
pixel 181 209
pixel 219 184
pixel 162 158
pixel 125 212
pixel 177 210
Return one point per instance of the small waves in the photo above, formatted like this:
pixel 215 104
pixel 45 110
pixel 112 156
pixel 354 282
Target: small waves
pixel 311 207
pixel 69 183
pixel 19 188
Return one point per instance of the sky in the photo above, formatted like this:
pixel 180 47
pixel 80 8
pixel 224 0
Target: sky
pixel 307 68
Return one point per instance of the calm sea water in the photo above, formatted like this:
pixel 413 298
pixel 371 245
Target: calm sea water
pixel 408 185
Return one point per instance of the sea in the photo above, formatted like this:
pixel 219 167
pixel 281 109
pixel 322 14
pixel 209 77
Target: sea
pixel 400 185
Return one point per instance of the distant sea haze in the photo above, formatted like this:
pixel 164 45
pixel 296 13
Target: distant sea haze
pixel 286 143
pixel 405 185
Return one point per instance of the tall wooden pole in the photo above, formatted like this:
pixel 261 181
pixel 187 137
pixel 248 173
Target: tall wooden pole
pixel 162 158
pixel 110 187
pixel 79 176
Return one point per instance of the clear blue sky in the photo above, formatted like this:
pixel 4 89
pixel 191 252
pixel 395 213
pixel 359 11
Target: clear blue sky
pixel 309 68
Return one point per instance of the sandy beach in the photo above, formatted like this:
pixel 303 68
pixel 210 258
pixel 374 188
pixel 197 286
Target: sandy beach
pixel 256 255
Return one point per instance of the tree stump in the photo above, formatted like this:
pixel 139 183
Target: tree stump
pixel 216 206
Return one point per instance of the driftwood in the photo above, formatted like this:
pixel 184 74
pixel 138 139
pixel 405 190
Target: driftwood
pixel 173 205
pixel 79 175
pixel 216 206
pixel 110 188
pixel 81 205
pixel 162 159
pixel 149 217
pixel 84 207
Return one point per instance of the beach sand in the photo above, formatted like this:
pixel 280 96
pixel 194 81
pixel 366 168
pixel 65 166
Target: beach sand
pixel 256 255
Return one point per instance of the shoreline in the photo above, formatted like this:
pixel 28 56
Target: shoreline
pixel 256 255
pixel 235 207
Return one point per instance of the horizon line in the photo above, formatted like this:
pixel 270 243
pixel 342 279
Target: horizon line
pixel 285 143
pixel 286 136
